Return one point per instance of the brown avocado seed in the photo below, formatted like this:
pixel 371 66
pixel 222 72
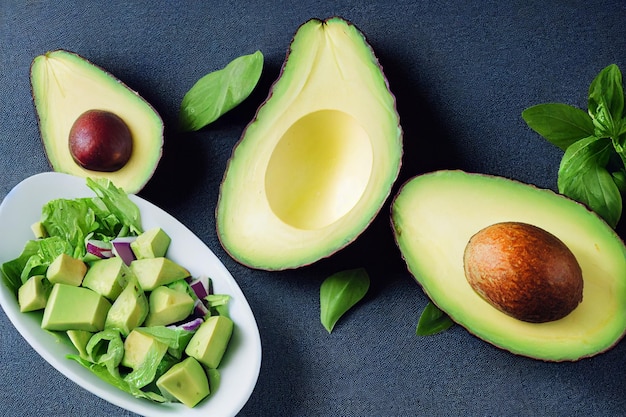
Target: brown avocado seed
pixel 100 141
pixel 523 271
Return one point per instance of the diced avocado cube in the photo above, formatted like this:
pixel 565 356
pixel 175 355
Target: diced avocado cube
pixel 214 377
pixel 39 231
pixel 140 347
pixel 33 294
pixel 129 310
pixel 154 272
pixel 185 382
pixel 209 342
pixel 79 339
pixel 108 277
pixel 168 306
pixel 77 308
pixel 66 270
pixel 152 243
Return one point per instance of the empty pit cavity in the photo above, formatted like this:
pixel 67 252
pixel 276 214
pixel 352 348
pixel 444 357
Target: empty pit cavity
pixel 319 169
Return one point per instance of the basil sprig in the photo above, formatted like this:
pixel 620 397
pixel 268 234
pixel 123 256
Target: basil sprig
pixel 592 170
pixel 339 293
pixel 432 321
pixel 220 91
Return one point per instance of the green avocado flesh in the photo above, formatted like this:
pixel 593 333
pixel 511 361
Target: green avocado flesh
pixel 64 86
pixel 318 162
pixel 434 216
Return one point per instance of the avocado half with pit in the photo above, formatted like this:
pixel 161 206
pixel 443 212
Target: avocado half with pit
pixel 317 163
pixel 435 215
pixel 69 91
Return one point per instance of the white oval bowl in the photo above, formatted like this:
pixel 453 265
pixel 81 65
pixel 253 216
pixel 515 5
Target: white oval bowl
pixel 241 365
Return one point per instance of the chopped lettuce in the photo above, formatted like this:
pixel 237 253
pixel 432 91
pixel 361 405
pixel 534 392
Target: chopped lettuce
pixel 146 373
pixel 48 249
pixel 176 339
pixel 218 304
pixel 70 220
pixel 12 270
pixel 107 348
pixel 105 351
pixel 69 223
pixel 35 258
pixel 103 373
pixel 118 203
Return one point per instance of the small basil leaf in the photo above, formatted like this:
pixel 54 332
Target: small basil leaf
pixel 606 100
pixel 220 91
pixel 603 123
pixel 340 292
pixel 619 178
pixel 620 150
pixel 561 124
pixel 622 130
pixel 432 321
pixel 583 177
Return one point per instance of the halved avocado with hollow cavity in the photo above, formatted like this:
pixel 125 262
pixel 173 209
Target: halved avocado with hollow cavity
pixel 318 161
pixel 435 215
pixel 92 124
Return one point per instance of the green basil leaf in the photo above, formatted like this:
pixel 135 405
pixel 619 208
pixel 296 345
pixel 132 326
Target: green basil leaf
pixel 432 321
pixel 619 178
pixel 561 124
pixel 340 292
pixel 606 101
pixel 583 177
pixel 619 144
pixel 220 91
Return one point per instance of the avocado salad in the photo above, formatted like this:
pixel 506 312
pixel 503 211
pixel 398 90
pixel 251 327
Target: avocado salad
pixel 137 319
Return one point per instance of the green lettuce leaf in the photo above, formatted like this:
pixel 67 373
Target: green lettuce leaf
pixel 175 338
pixel 103 373
pixel 218 304
pixel 118 203
pixel 70 220
pixel 107 348
pixel 12 270
pixel 35 258
pixel 68 224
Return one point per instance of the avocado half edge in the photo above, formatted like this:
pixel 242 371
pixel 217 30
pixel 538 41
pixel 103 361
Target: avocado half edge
pixel 433 217
pixel 64 86
pixel 318 161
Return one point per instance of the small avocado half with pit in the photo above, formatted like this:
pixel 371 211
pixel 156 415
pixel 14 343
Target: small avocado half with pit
pixel 317 163
pixel 434 217
pixel 92 124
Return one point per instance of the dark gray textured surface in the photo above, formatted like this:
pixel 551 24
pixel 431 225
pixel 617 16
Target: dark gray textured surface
pixel 462 73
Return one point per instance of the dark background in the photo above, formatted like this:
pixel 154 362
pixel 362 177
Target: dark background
pixel 462 72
